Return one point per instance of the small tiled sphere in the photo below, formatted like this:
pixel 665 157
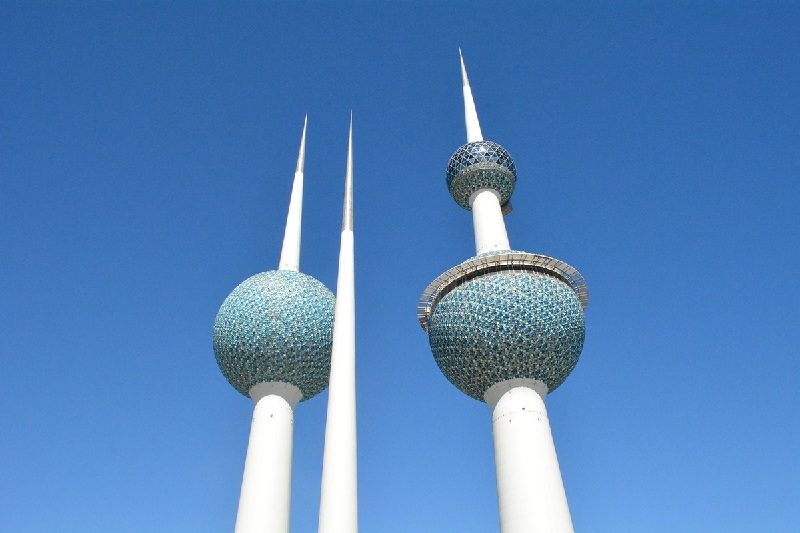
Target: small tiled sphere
pixel 480 165
pixel 505 325
pixel 276 326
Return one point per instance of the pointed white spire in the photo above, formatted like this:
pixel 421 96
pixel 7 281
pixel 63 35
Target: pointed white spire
pixel 338 507
pixel 301 154
pixel 347 209
pixel 290 252
pixel 470 113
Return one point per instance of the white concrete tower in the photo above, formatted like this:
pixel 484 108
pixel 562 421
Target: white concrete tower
pixel 338 512
pixel 272 339
pixel 506 328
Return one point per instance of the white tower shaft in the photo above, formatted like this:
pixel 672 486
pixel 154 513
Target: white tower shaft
pixel 487 221
pixel 530 490
pixel 338 511
pixel 266 484
pixel 290 251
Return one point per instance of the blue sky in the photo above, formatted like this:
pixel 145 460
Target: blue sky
pixel 146 155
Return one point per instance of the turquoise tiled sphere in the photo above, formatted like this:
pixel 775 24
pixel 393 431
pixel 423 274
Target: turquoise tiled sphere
pixel 480 165
pixel 504 325
pixel 276 326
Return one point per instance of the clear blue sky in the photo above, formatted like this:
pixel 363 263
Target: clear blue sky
pixel 146 153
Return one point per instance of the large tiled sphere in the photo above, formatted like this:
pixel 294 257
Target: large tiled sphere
pixel 504 325
pixel 276 326
pixel 480 165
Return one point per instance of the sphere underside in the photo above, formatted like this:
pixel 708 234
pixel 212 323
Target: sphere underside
pixel 506 325
pixel 480 165
pixel 276 326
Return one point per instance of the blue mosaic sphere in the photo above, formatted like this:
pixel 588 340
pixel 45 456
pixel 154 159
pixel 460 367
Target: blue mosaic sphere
pixel 505 325
pixel 480 165
pixel 276 326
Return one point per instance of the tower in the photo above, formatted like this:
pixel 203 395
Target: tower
pixel 338 510
pixel 506 327
pixel 272 340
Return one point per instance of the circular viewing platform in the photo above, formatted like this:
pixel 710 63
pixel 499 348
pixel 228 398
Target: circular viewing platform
pixel 498 262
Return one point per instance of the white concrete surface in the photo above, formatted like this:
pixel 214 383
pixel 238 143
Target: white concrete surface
pixel 267 481
pixel 529 487
pixel 487 221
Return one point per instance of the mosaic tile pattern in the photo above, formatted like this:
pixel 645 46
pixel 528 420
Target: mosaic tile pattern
pixel 478 165
pixel 505 325
pixel 276 326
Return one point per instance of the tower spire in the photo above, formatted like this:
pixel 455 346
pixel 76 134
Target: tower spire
pixel 290 252
pixel 338 507
pixel 301 154
pixel 470 113
pixel 347 209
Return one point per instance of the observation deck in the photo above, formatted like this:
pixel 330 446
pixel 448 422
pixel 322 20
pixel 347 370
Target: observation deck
pixel 498 262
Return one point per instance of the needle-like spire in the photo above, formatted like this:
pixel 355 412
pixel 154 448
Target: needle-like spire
pixel 347 210
pixel 290 252
pixel 301 155
pixel 338 507
pixel 470 113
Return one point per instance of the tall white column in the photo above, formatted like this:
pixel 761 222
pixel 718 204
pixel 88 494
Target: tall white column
pixel 267 481
pixel 338 511
pixel 529 486
pixel 487 220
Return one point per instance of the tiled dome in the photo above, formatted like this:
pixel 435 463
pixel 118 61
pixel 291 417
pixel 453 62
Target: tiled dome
pixel 505 325
pixel 479 165
pixel 276 326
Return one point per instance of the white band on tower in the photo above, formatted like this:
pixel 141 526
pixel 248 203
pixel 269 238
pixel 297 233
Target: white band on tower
pixel 290 252
pixel 338 511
